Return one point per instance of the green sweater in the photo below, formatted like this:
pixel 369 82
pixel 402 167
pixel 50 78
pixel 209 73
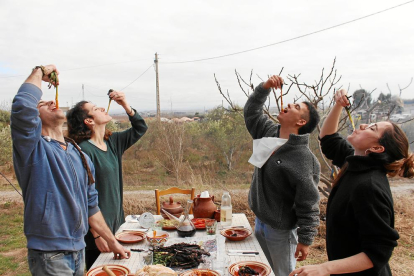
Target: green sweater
pixel 108 171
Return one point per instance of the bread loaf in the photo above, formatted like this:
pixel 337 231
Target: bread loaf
pixel 155 270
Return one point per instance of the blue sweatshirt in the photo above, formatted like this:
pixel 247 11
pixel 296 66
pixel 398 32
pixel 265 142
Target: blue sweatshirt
pixel 56 194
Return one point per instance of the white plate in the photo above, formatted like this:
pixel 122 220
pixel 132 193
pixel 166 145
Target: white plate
pixel 146 220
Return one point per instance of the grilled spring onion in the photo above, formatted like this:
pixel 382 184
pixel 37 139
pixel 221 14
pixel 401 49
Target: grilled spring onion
pixel 281 97
pixel 109 92
pixel 107 110
pixel 348 110
pixel 53 78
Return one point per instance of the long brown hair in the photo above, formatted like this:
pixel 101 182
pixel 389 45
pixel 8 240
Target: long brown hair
pixel 396 158
pixel 77 129
pixel 91 180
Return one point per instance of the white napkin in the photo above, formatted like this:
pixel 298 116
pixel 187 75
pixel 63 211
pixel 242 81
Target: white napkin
pixel 263 149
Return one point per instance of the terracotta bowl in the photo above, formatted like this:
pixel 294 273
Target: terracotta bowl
pixel 159 240
pixel 236 234
pixel 118 270
pixel 130 236
pixel 259 267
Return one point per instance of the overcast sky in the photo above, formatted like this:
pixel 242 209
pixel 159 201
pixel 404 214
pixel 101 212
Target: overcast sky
pixel 108 44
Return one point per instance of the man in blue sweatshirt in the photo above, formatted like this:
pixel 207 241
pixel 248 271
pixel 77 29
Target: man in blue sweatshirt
pixel 57 181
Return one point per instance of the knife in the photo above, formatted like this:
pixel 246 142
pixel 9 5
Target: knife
pixel 243 251
pixel 243 254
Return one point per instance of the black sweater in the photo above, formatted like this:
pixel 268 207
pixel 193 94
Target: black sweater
pixel 360 213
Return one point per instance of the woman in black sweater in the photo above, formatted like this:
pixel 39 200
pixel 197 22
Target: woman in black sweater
pixel 360 234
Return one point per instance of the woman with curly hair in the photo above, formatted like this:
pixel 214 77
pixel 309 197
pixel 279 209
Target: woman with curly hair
pixel 360 234
pixel 86 125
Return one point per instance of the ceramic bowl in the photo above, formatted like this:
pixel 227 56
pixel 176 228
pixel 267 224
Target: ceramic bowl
pixel 115 268
pixel 236 234
pixel 159 240
pixel 259 267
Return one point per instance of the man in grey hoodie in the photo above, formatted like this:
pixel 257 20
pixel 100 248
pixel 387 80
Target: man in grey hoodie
pixel 57 182
pixel 284 194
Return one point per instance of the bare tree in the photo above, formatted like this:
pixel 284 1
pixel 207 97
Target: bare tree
pixel 171 143
pixel 317 94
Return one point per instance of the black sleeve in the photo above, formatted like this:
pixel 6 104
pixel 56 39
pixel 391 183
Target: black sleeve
pixel 336 148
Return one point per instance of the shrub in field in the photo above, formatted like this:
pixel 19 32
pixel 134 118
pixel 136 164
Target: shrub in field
pixel 4 118
pixel 170 144
pixel 228 134
pixel 6 150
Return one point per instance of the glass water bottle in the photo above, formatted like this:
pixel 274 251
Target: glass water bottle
pixel 226 210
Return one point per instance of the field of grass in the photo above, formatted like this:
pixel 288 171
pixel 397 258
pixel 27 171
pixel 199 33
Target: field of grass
pixel 13 244
pixel 13 250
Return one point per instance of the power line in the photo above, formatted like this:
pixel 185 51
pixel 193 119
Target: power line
pixel 79 68
pixel 141 76
pixel 240 52
pixel 87 67
pixel 290 39
pixel 10 183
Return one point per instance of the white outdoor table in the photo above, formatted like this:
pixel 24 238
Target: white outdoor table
pixel 135 261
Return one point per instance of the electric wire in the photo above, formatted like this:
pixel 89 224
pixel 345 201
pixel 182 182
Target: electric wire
pixel 79 68
pixel 138 77
pixel 10 183
pixel 290 39
pixel 248 50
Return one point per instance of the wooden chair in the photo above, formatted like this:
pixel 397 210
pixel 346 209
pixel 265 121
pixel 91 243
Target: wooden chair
pixel 172 190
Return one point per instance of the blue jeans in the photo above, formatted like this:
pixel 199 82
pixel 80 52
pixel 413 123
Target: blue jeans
pixel 279 247
pixel 44 263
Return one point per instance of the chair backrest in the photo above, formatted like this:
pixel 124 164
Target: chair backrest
pixel 172 190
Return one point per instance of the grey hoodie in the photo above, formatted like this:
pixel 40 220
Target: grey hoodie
pixel 284 192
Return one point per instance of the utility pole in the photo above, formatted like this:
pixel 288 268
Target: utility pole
pixel 83 92
pixel 158 88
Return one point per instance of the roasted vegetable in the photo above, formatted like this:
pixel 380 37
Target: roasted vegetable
pixel 53 80
pixel 109 92
pixel 247 271
pixel 182 255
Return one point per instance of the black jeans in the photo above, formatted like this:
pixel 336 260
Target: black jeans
pixel 91 256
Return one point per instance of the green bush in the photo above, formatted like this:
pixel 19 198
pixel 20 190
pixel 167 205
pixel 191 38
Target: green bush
pixel 6 148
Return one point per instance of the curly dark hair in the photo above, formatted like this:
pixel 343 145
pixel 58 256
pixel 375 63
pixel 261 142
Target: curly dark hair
pixel 77 129
pixel 312 121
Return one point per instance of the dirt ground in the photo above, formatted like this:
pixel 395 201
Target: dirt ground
pixel 398 186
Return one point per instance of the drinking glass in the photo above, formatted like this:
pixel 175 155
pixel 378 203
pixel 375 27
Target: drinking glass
pixel 147 257
pixel 211 225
